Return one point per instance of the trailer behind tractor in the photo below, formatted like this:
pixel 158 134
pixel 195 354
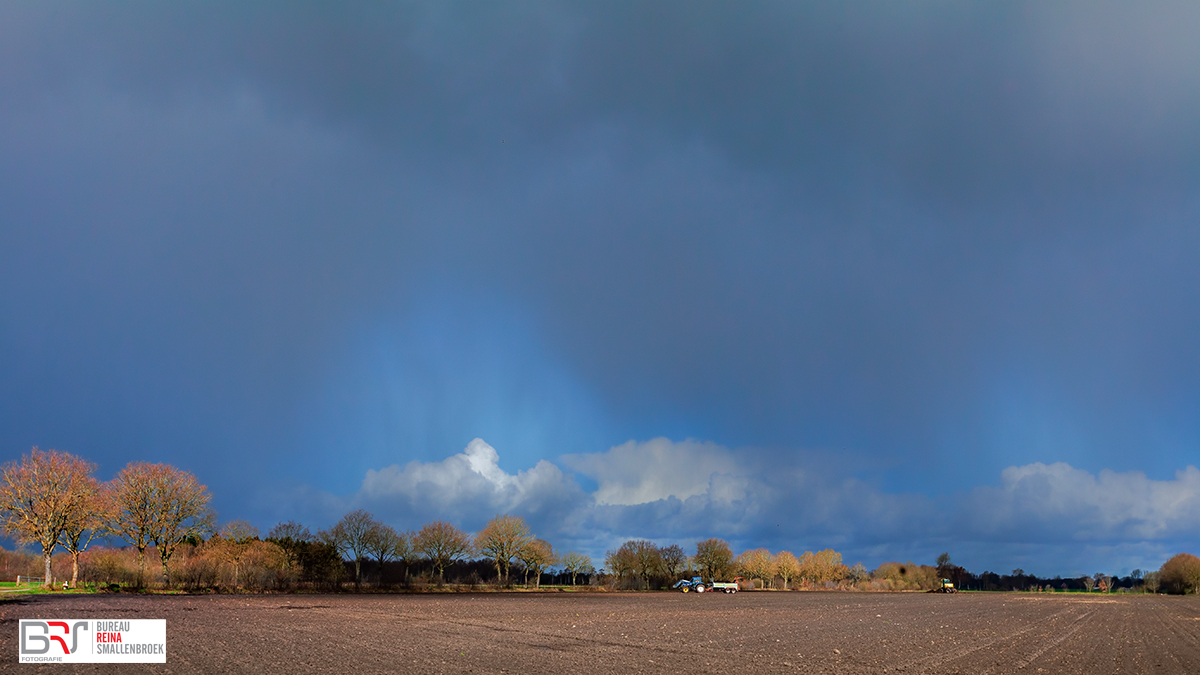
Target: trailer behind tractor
pixel 697 585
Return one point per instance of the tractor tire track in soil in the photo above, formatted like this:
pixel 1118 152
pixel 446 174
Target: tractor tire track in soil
pixel 761 632
pixel 1049 629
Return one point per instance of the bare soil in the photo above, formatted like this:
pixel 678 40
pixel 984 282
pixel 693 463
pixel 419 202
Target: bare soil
pixel 761 632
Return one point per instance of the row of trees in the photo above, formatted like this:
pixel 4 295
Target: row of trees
pixel 505 540
pixel 53 499
pixel 1180 574
pixel 641 562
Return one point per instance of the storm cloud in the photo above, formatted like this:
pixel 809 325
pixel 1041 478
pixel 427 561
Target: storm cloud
pixel 895 251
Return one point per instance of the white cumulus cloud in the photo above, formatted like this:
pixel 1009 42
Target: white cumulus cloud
pixel 469 485
pixel 640 473
pixel 1059 500
pixel 1050 515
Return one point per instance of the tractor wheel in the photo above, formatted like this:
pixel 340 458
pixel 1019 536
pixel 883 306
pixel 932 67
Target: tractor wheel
pixel 699 589
pixel 685 589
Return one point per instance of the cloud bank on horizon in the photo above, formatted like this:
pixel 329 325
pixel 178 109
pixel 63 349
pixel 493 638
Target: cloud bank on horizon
pixel 919 276
pixel 681 492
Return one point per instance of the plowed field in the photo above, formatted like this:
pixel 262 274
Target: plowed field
pixel 645 632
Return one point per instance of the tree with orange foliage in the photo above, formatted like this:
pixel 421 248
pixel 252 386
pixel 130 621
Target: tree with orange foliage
pixel 787 566
pixel 757 564
pixel 42 495
pixel 822 566
pixel 1181 574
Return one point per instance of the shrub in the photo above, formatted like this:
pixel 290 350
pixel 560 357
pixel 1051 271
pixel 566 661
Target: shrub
pixel 104 565
pixel 897 576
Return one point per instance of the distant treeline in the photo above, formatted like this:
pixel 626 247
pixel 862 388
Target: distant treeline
pixel 1179 575
pixel 52 500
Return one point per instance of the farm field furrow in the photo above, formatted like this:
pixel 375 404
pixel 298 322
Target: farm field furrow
pixel 646 632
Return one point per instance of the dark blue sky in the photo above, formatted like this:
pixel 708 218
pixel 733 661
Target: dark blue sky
pixel 895 278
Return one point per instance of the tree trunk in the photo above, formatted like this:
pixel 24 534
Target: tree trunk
pixel 141 580
pixel 357 572
pixel 47 580
pixel 74 568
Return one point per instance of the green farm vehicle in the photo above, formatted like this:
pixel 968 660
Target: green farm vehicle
pixel 946 587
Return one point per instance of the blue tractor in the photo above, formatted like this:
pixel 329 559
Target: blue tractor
pixel 688 585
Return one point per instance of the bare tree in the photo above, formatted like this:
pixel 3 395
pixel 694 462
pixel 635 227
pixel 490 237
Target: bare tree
pixel 291 537
pixel 787 566
pixel 502 539
pixel 714 558
pixel 537 555
pixel 161 505
pixel 290 530
pixel 183 514
pixel 404 546
pixel 674 559
pixel 647 559
pixel 858 572
pixel 351 536
pixel 1089 583
pixel 404 551
pixel 621 562
pixel 1152 581
pixel 577 563
pixel 384 542
pixel 442 543
pixel 135 509
pixel 85 523
pixel 42 495
pixel 236 537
